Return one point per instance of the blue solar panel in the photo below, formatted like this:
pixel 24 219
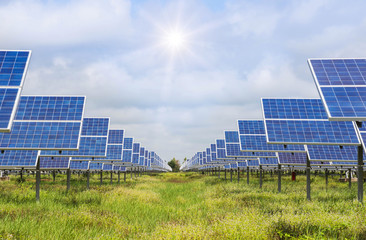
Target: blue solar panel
pixel 107 167
pixel 292 158
pixel 220 143
pixel 213 157
pixel 41 135
pixel 127 156
pixel 231 137
pixel 18 158
pixel 342 86
pixel 233 165
pixel 8 98
pixel 299 130
pixel 44 108
pixel 251 127
pixel 345 164
pixel 253 139
pixel 13 68
pixel 135 158
pixel 259 143
pixel 95 127
pixel 127 143
pixel 37 127
pixel 79 165
pixel 115 136
pixel 275 108
pixel 253 163
pixel 332 153
pixel 213 147
pixel 233 150
pixel 95 166
pixel 136 148
pixel 54 163
pixel 242 164
pixel 268 161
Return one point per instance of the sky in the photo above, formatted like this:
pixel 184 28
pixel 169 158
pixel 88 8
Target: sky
pixel 176 100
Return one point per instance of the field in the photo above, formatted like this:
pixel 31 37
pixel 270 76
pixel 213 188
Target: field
pixel 180 206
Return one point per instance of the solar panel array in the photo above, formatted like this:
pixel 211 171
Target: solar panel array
pixel 55 125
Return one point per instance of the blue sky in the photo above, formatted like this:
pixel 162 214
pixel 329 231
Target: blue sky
pixel 178 102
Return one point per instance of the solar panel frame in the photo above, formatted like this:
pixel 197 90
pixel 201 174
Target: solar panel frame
pixel 79 165
pixel 50 163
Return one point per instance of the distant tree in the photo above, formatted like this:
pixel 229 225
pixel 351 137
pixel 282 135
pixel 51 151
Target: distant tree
pixel 174 164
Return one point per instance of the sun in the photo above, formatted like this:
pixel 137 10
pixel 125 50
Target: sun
pixel 175 40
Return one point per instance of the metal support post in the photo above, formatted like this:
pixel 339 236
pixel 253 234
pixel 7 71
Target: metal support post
pixel 360 174
pixel 38 180
pixel 101 178
pixel 260 176
pixel 68 176
pixel 349 178
pixel 87 179
pixel 124 177
pixel 279 178
pixel 118 176
pixel 326 178
pixel 231 175
pixel 238 174
pixel 111 177
pixel 308 197
pixel 225 173
pixel 247 175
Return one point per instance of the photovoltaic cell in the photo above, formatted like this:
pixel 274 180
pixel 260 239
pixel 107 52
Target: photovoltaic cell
pixel 54 163
pixel 95 166
pixel 13 68
pixel 107 167
pixel 303 122
pixel 18 158
pixel 342 87
pixel 268 161
pixel 253 163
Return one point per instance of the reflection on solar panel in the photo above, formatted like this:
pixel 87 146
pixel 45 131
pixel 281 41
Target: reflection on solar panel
pixel 268 161
pixel 54 163
pixel 253 139
pixel 233 147
pixel 332 153
pixel 79 165
pixel 93 140
pixel 18 158
pixel 292 158
pixel 37 127
pixel 304 121
pixel 13 68
pixel 342 86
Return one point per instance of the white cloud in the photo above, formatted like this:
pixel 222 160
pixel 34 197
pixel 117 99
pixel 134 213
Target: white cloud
pixel 58 23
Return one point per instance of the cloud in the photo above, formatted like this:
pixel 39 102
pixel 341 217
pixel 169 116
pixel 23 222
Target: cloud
pixel 58 23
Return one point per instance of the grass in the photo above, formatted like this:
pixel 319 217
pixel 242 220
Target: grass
pixel 180 206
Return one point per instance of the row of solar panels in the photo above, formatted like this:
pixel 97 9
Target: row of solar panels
pixel 327 131
pixel 51 130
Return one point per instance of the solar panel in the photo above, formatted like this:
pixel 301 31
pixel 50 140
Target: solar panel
pixel 304 121
pixel 253 139
pixel 136 153
pixel 127 150
pixel 268 161
pixel 342 87
pixel 253 163
pixel 233 147
pixel 18 159
pixel 242 164
pixel 107 167
pixel 13 68
pixel 54 163
pixel 95 166
pixel 332 153
pixel 285 158
pixel 38 124
pixel 93 140
pixel 79 165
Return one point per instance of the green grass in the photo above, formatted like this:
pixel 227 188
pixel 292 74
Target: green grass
pixel 180 206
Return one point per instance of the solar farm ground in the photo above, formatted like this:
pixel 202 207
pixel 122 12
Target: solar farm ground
pixel 180 206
